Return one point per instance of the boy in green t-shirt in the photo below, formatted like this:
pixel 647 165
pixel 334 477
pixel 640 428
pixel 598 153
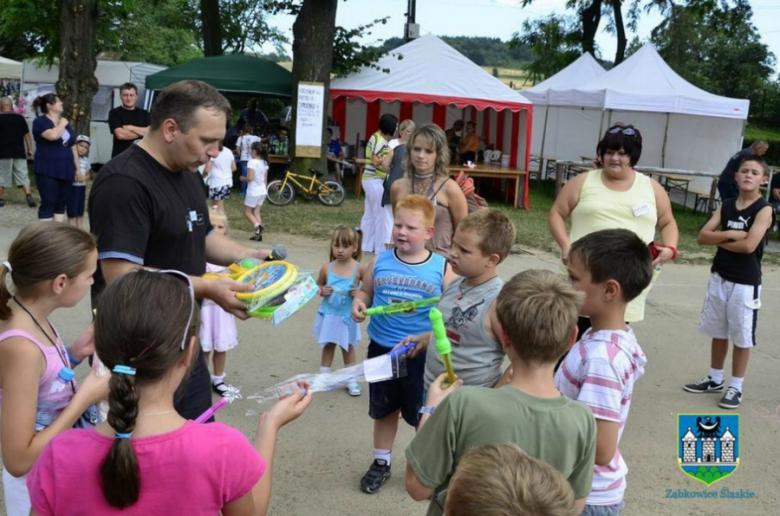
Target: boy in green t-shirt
pixel 537 311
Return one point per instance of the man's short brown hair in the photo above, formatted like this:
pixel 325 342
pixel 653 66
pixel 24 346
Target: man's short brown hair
pixel 495 231
pixel 128 86
pixel 181 100
pixel 538 310
pixel 502 480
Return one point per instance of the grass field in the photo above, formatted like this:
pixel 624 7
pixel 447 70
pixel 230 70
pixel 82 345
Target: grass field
pixel 753 132
pixel 311 219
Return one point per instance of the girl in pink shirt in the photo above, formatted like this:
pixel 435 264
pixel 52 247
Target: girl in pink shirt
pixel 146 459
pixel 50 265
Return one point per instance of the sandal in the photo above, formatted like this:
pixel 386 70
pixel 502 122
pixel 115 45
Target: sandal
pixel 220 388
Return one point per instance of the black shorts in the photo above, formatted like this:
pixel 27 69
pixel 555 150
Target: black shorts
pixel 76 200
pixel 404 394
pixel 193 397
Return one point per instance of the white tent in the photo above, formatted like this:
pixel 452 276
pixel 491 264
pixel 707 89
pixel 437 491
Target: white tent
pixel 683 127
pixel 584 69
pixel 433 83
pixel 10 69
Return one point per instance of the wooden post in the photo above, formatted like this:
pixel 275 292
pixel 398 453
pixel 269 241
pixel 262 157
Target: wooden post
pixel 560 170
pixel 713 192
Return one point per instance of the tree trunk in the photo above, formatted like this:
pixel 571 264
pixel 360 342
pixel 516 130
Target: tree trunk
pixel 313 33
pixel 77 84
pixel 212 28
pixel 620 29
pixel 591 17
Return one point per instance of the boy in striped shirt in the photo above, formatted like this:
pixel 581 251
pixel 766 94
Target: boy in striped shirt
pixel 611 267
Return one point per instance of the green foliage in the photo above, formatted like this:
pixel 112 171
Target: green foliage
pixel 481 50
pixel 714 45
pixel 555 42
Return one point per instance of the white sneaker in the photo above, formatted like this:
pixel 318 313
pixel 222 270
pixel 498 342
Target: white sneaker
pixel 354 389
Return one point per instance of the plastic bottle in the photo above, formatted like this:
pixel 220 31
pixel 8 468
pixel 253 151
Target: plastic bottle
pixel 52 403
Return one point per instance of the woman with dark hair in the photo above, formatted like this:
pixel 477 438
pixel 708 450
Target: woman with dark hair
pixel 380 156
pixel 56 159
pixel 616 196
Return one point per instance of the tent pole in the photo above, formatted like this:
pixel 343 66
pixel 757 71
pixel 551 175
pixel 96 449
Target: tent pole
pixel 601 128
pixel 544 136
pixel 663 148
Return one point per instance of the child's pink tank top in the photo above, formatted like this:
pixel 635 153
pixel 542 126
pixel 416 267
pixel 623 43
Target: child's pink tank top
pixel 51 400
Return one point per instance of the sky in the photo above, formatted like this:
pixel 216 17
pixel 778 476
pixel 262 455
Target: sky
pixel 501 18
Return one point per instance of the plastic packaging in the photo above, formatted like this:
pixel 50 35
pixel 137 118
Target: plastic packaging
pixel 385 367
pixel 56 399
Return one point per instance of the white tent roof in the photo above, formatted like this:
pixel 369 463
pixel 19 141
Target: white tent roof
pixel 644 82
pixel 10 69
pixel 584 69
pixel 430 71
pixel 108 73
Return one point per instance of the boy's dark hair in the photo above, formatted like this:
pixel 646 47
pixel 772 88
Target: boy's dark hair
pixel 128 86
pixel 495 231
pixel 756 159
pixel 181 100
pixel 140 323
pixel 388 123
pixel 615 139
pixel 538 311
pixel 616 254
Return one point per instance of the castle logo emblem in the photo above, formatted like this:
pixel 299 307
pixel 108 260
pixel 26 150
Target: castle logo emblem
pixel 708 445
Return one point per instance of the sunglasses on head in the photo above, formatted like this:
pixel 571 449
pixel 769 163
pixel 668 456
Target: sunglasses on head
pixel 186 279
pixel 628 131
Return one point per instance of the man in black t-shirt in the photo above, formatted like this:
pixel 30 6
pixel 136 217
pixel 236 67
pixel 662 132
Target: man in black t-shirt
pixel 14 136
pixel 127 122
pixel 148 209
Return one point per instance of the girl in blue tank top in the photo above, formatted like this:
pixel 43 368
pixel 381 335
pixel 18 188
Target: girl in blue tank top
pixel 338 280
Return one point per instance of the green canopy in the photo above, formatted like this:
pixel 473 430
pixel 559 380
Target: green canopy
pixel 238 73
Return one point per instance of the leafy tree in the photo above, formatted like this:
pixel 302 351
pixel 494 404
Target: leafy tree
pixel 713 44
pixel 554 41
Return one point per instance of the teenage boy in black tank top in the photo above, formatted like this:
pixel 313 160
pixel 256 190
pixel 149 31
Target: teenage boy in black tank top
pixel 733 297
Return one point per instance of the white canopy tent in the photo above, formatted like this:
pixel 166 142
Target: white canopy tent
pixel 433 83
pixel 682 126
pixel 10 69
pixel 584 69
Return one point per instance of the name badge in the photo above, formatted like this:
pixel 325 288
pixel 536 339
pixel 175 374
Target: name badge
pixel 193 215
pixel 641 209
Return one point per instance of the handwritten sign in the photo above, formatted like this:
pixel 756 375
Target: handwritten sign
pixel 308 119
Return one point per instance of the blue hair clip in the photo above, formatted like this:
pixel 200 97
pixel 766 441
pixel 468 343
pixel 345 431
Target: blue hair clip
pixel 356 229
pixel 123 436
pixel 123 369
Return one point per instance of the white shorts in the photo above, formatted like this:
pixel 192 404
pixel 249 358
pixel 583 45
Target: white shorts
pixel 254 200
pixel 730 311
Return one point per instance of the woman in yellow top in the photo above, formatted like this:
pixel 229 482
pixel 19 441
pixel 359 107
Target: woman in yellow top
pixel 616 196
pixel 467 148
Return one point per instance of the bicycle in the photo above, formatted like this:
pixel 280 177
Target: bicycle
pixel 281 192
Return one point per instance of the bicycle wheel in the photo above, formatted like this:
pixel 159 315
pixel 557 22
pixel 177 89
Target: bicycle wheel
pixel 278 195
pixel 331 193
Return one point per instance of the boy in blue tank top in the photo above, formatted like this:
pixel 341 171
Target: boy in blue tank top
pixel 738 227
pixel 407 273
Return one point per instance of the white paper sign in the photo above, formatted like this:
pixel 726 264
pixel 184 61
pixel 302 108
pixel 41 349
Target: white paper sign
pixel 308 118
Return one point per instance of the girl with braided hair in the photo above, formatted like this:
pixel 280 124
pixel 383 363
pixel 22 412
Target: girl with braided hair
pixel 147 459
pixel 50 265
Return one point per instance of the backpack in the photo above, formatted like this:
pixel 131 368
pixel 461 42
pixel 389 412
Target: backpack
pixel 466 184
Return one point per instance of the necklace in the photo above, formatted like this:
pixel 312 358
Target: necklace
pixel 60 350
pixel 463 293
pixel 150 414
pixel 426 184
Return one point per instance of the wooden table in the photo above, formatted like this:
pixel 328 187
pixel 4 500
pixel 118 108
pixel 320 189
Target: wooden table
pixel 679 183
pixel 491 171
pixel 278 159
pixel 495 172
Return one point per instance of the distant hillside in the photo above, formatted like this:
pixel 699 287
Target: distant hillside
pixel 483 51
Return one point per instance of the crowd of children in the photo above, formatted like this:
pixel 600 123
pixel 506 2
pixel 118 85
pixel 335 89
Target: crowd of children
pixel 499 440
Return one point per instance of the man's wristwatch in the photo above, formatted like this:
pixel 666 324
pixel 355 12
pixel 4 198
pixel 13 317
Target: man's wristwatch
pixel 427 410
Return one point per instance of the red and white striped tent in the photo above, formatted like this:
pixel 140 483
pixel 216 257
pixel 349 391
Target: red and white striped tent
pixel 429 81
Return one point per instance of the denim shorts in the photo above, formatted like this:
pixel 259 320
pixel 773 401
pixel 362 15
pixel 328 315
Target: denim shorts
pixel 603 510
pixel 404 394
